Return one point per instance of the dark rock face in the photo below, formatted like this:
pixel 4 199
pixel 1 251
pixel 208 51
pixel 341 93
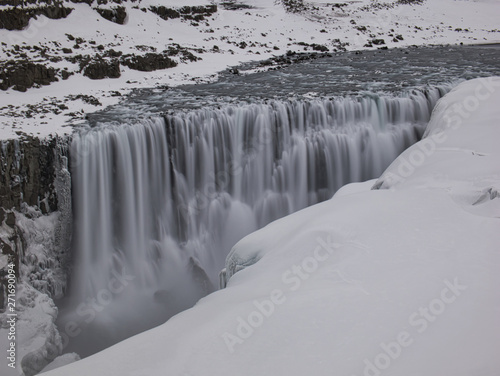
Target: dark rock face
pixel 27 174
pixel 88 2
pixel 148 62
pixel 411 2
pixel 234 5
pixel 165 13
pixel 23 75
pixel 116 15
pixel 101 68
pixel 18 19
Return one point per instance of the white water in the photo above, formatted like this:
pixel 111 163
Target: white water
pixel 164 201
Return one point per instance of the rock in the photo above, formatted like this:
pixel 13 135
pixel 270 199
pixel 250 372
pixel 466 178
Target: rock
pixel 18 19
pixel 116 15
pixel 10 219
pixel 24 74
pixel 165 13
pixel 319 47
pixel 377 42
pixel 65 74
pixel 113 53
pixel 233 5
pixel 410 2
pixel 101 68
pixel 88 2
pixel 196 13
pixel 27 173
pixel 5 249
pixel 90 99
pixel 148 62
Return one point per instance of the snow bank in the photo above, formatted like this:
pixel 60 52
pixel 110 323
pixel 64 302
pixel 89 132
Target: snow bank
pixel 399 281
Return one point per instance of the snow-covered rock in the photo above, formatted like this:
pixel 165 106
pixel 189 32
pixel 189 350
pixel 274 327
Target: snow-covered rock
pixel 395 281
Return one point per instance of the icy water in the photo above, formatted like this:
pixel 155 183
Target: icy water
pixel 331 75
pixel 162 193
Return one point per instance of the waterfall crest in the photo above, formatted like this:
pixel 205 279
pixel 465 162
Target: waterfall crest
pixel 160 204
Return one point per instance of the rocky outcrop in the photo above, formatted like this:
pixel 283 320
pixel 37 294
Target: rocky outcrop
pixel 195 13
pixel 101 68
pixel 27 173
pixel 411 2
pixel 22 75
pixel 18 19
pixel 148 62
pixel 116 15
pixel 16 3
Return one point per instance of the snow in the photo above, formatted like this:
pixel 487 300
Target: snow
pixel 60 361
pixel 37 338
pixel 399 280
pixel 266 24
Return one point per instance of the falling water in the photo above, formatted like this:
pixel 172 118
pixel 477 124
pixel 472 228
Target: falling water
pixel 158 205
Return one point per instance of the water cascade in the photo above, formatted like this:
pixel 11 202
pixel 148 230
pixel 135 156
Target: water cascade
pixel 158 205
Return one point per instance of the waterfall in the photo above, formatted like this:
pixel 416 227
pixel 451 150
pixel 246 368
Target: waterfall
pixel 158 205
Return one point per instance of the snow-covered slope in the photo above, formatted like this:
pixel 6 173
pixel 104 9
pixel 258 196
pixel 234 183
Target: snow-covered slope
pixel 236 32
pixel 401 279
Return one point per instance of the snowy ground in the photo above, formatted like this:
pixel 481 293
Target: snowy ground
pixel 228 37
pixel 393 277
